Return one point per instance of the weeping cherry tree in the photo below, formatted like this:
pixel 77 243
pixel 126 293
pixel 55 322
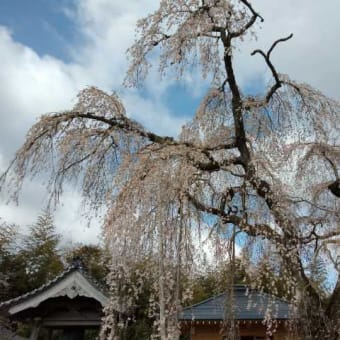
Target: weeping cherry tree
pixel 258 172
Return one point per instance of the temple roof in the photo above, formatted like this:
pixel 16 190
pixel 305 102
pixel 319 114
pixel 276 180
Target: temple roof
pixel 249 305
pixel 72 283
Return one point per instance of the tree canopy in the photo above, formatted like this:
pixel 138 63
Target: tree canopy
pixel 41 253
pixel 256 172
pixel 28 261
pixel 7 237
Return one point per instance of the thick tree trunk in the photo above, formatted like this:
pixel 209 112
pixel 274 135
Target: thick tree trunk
pixel 162 317
pixel 319 319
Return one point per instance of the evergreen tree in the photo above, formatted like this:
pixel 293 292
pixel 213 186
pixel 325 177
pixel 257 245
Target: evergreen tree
pixel 215 281
pixel 42 256
pixel 7 236
pixel 13 276
pixel 93 257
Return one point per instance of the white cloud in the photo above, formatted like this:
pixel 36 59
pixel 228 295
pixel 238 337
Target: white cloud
pixel 71 223
pixel 311 56
pixel 154 115
pixel 33 198
pixel 68 218
pixel 31 85
pixel 107 29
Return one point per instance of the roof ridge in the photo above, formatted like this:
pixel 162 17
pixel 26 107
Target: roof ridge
pixel 215 296
pixel 92 280
pixel 202 302
pixel 69 269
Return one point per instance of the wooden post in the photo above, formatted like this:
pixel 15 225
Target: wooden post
pixel 49 333
pixel 36 329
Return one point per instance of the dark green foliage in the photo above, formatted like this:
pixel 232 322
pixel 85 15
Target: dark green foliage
pixel 13 276
pixel 319 276
pixel 270 277
pixel 216 281
pixel 41 254
pixel 91 334
pixel 7 237
pixel 29 261
pixel 93 257
pixel 25 265
pixel 140 328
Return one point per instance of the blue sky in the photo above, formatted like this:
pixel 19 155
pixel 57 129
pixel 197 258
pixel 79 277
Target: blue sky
pixel 50 28
pixel 51 49
pixel 41 24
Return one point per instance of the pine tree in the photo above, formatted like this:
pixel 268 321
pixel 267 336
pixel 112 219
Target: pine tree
pixel 7 236
pixel 43 259
pixel 93 257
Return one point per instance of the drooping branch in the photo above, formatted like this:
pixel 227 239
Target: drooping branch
pixel 122 124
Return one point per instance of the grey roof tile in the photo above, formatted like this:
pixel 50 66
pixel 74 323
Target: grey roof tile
pixel 52 282
pixel 249 305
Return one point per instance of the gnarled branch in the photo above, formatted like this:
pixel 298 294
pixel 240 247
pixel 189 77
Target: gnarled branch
pixel 277 82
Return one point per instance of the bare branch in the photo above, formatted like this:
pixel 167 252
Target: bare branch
pixel 250 23
pixel 277 83
pixel 255 230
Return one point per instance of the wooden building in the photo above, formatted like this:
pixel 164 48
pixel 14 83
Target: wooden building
pixel 70 307
pixel 205 320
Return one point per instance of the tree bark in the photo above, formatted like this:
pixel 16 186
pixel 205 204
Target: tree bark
pixel 162 317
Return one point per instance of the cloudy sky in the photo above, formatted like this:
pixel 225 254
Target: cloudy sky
pixel 50 49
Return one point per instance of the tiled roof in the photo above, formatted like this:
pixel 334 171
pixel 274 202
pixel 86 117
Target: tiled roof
pixel 38 290
pixel 74 267
pixel 249 305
